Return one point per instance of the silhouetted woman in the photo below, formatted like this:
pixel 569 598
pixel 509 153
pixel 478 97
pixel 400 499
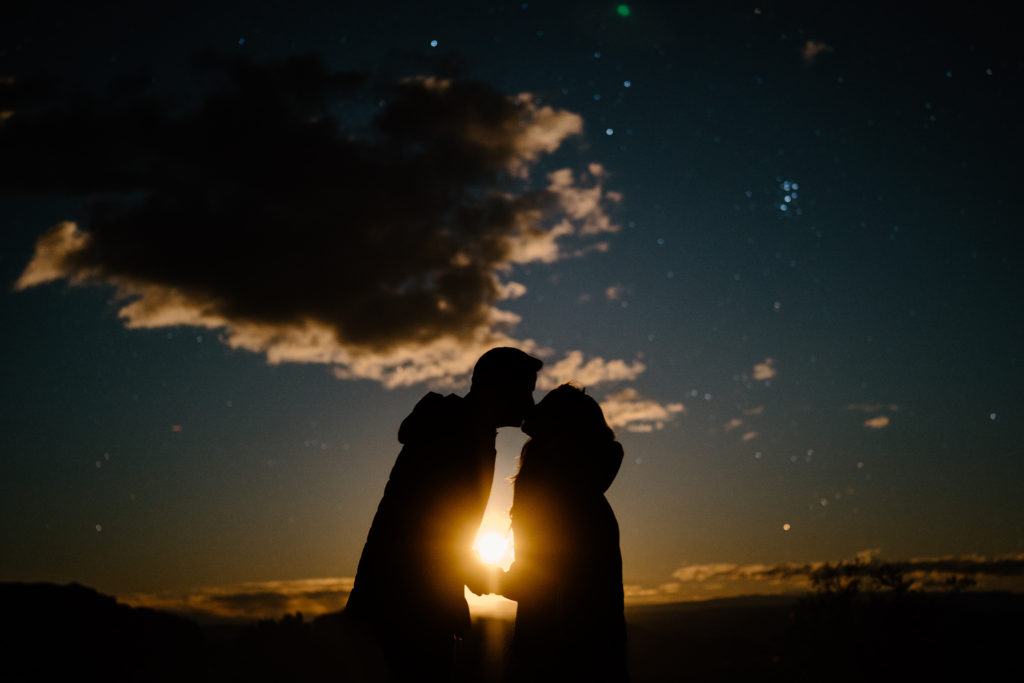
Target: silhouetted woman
pixel 567 574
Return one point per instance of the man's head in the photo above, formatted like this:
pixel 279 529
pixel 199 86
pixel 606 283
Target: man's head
pixel 503 382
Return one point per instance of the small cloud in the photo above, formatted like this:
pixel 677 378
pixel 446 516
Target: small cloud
pixel 584 202
pixel 595 371
pixel 733 424
pixel 750 436
pixel 615 292
pixel 53 249
pixel 754 411
pixel 813 48
pixel 766 370
pixel 511 290
pixel 880 422
pixel 703 572
pixel 636 594
pixel 626 408
pixel 867 556
pixel 644 428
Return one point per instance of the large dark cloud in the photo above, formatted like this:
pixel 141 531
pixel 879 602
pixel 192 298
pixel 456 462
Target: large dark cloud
pixel 309 215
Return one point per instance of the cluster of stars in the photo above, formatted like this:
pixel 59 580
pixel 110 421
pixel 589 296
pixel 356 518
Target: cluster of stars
pixel 789 188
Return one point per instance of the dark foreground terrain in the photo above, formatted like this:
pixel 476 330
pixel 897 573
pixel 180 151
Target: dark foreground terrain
pixel 74 633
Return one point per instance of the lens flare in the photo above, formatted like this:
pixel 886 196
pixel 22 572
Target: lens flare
pixel 493 548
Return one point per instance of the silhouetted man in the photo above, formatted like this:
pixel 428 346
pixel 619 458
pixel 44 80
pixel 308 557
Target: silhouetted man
pixel 419 552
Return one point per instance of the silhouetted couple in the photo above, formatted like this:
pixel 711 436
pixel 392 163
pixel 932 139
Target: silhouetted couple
pixel 567 575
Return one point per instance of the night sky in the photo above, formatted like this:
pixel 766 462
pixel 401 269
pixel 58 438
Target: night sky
pixel 780 243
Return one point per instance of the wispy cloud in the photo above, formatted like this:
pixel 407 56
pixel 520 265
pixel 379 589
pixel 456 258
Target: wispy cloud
pixel 813 48
pixel 594 371
pixel 626 408
pixel 615 292
pixel 724 579
pixel 250 601
pixel 880 422
pixel 636 594
pixel 584 203
pixel 381 248
pixel 765 370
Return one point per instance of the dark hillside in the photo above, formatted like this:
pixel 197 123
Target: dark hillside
pixel 75 633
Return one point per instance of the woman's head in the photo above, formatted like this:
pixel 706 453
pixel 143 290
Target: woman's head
pixel 570 441
pixel 569 411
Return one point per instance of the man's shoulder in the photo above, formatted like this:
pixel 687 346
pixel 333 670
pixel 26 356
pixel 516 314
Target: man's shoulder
pixel 434 413
pixel 434 404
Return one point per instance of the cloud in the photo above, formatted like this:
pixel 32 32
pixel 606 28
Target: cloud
pixel 545 133
pixel 867 556
pixel 251 601
pixel 444 362
pixel 282 216
pixel 878 421
pixel 813 48
pixel 1005 566
pixel 703 572
pixel 584 204
pixel 637 594
pixel 615 292
pixel 626 408
pixel 766 370
pixel 733 424
pixel 595 371
pixel 728 579
pixel 512 290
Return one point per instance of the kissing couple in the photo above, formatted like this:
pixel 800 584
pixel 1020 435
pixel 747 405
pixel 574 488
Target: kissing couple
pixel 567 575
